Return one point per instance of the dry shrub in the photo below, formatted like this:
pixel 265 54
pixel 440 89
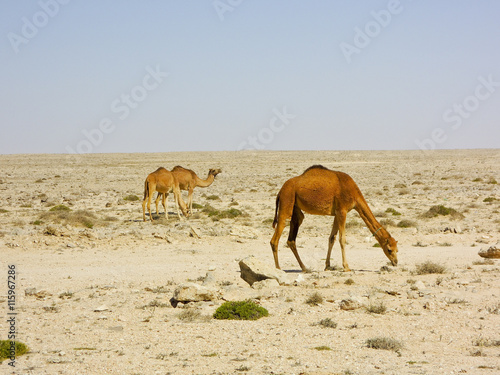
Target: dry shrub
pixel 314 299
pixel 376 308
pixel 76 218
pixel 429 267
pixel 384 343
pixel 327 323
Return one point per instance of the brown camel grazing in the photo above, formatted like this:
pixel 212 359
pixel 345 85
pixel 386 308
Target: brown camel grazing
pixel 321 191
pixel 164 182
pixel 188 180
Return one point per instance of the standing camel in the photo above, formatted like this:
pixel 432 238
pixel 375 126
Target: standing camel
pixel 188 180
pixel 164 182
pixel 320 191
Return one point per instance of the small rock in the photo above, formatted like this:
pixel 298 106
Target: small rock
pixel 244 232
pixel 411 294
pixel 191 292
pixel 267 283
pixel 209 279
pixel 351 303
pixel 419 285
pixel 492 252
pixel 30 291
pixel 101 308
pixel 194 232
pixel 253 270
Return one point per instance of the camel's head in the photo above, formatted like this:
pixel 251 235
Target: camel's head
pixel 390 247
pixel 214 172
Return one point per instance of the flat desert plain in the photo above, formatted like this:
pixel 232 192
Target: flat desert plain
pixel 94 282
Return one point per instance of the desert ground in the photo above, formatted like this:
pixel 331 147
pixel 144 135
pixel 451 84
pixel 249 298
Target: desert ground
pixel 94 282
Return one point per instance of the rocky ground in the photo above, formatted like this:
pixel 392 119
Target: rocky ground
pixel 94 283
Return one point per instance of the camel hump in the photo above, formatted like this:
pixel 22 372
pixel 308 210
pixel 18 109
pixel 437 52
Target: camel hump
pixel 316 166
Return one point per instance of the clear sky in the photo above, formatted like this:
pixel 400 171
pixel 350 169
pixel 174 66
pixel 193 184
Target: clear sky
pixel 159 76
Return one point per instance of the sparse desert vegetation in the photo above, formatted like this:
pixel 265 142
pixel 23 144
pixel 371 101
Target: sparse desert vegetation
pixel 96 284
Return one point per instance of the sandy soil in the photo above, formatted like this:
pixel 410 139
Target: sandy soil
pixel 93 298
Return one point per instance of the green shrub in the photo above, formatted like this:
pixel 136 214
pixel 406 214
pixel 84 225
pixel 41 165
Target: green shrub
pixel 407 224
pixel 435 211
pixel 5 349
pixel 393 211
pixel 240 310
pixel 216 214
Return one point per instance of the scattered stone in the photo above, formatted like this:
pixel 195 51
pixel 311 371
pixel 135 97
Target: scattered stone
pixel 101 308
pixel 191 292
pixel 253 270
pixel 419 285
pixel 30 291
pixel 194 232
pixel 209 279
pixel 244 232
pixel 411 294
pixel 267 283
pixel 457 229
pixel 351 303
pixel 493 252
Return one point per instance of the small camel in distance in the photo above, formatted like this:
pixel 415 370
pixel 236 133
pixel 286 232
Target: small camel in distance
pixel 188 180
pixel 321 191
pixel 164 182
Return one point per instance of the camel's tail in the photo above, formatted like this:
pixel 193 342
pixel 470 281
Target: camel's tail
pixel 146 189
pixel 275 221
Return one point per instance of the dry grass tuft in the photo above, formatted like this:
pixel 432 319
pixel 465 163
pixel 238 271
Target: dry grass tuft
pixel 327 323
pixel 429 267
pixel 376 308
pixel 314 299
pixel 384 343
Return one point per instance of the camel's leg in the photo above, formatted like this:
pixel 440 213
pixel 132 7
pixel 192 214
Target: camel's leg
pixel 190 199
pixel 284 211
pixel 341 217
pixel 280 226
pixel 151 190
pixel 331 241
pixel 144 209
pixel 176 199
pixel 156 202
pixel 297 218
pixel 165 204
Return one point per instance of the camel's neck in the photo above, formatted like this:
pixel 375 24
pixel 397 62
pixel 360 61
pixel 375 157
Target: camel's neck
pixel 205 183
pixel 373 225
